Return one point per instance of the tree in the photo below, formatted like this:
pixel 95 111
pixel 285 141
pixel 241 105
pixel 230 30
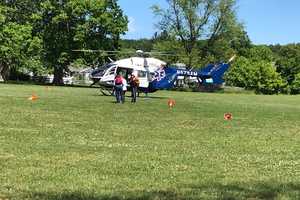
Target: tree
pixel 193 20
pixel 295 86
pixel 74 24
pixel 268 80
pixel 23 10
pixel 18 49
pixel 231 39
pixel 171 50
pixel 133 45
pixel 260 53
pixel 241 74
pixel 287 60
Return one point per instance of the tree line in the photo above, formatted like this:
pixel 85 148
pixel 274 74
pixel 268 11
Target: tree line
pixel 40 36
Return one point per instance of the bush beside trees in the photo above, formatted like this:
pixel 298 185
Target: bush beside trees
pixel 260 76
pixel 295 86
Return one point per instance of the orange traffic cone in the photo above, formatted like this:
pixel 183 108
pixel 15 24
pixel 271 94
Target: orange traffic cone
pixel 228 116
pixel 171 103
pixel 33 97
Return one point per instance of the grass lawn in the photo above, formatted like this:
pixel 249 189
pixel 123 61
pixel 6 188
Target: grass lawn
pixel 73 143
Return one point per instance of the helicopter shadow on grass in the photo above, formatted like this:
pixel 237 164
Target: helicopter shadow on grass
pixel 128 99
pixel 267 191
pixel 140 95
pixel 112 98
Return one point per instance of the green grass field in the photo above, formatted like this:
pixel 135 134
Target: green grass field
pixel 73 143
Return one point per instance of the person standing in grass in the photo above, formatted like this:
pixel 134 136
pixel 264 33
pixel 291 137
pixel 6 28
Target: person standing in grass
pixel 118 85
pixel 134 84
pixel 124 89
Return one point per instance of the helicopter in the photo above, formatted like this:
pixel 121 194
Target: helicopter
pixel 153 74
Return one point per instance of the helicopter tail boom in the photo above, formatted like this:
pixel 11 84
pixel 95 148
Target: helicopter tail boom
pixel 214 73
pixel 165 78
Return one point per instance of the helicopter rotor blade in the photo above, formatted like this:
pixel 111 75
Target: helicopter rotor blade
pixel 138 53
pixel 101 51
pixel 125 52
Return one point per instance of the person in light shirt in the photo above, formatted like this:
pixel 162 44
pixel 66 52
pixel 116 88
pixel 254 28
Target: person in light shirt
pixel 124 89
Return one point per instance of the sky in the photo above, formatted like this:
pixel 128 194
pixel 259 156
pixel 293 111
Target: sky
pixel 266 21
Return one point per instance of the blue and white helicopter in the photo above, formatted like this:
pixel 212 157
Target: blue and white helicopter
pixel 154 74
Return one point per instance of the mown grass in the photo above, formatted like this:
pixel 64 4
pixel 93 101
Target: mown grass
pixel 73 143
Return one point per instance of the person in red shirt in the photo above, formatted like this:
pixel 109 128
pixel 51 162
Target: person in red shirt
pixel 118 84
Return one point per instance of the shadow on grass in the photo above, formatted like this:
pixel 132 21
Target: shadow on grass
pixel 266 191
pixel 193 192
pixel 165 195
pixel 129 96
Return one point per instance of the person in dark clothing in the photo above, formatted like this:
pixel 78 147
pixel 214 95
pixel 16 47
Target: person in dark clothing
pixel 134 84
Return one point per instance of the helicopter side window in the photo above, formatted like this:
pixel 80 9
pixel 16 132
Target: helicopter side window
pixel 152 75
pixel 125 72
pixel 142 74
pixel 112 71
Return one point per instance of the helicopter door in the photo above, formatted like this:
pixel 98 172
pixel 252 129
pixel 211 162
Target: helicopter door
pixel 125 72
pixel 142 75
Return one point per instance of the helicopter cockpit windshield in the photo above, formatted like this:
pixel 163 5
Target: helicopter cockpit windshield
pixel 99 72
pixel 108 65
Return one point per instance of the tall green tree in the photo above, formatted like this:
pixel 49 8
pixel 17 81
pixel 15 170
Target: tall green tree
pixel 295 86
pixel 23 10
pixel 67 25
pixel 260 53
pixel 190 21
pixel 287 60
pixel 19 50
pixel 231 37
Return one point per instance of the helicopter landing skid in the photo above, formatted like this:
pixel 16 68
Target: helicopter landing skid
pixel 107 91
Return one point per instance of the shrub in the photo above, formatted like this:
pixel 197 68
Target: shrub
pixel 258 75
pixel 295 87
